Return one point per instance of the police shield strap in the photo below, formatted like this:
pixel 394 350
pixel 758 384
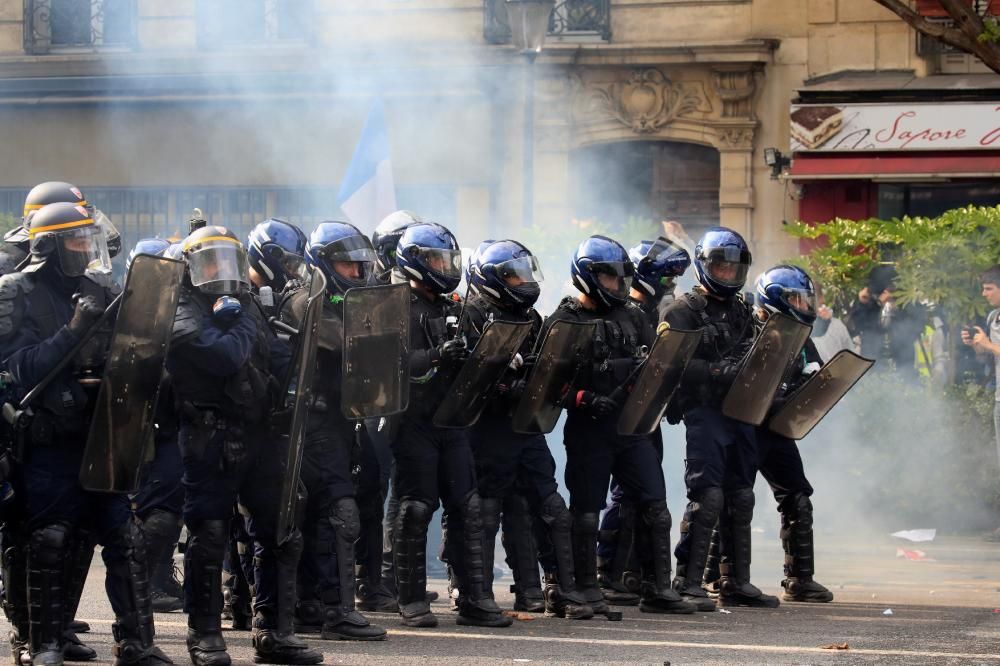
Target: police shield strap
pixel 564 352
pixel 376 351
pixel 302 372
pixel 812 401
pixel 772 354
pixel 471 389
pixel 659 378
pixel 123 423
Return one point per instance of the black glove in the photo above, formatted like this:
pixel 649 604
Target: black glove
pixel 86 313
pixel 723 372
pixel 596 404
pixel 452 351
pixel 292 285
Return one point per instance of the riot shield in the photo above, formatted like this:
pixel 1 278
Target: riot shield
pixel 770 358
pixel 299 395
pixel 471 389
pixel 812 401
pixel 659 378
pixel 563 353
pixel 376 367
pixel 122 428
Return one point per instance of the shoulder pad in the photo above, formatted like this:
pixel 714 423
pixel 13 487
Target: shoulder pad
pixel 695 301
pixel 10 258
pixel 187 320
pixel 569 304
pixel 12 288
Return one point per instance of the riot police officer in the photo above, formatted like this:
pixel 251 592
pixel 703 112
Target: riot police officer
pixel 602 272
pixel 790 291
pixel 720 457
pixel 432 462
pixel 160 501
pixel 224 362
pixel 331 522
pixel 658 264
pixel 56 299
pixel 516 472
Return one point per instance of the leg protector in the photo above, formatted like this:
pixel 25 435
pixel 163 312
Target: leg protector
pixel 162 530
pixel 518 540
pixel 735 588
pixel 584 532
pixel 48 553
pixel 368 556
pixel 409 550
pixel 476 604
pixel 341 620
pixel 390 524
pixel 797 539
pixel 710 580
pixel 657 595
pixel 562 598
pixel 15 593
pixel 202 594
pixel 81 556
pixel 611 573
pixel 699 520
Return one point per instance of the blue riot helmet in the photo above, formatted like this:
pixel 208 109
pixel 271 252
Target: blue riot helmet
pixel 722 261
pixel 429 254
pixel 603 271
pixel 474 262
pixel 174 251
pixel 276 251
pixel 506 274
pixel 657 265
pixel 343 253
pixel 788 290
pixel 153 246
pixel 386 237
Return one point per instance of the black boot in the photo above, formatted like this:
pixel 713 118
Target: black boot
pixel 696 531
pixel 342 621
pixel 735 588
pixel 611 573
pixel 584 534
pixel 519 544
pixel 657 595
pixel 48 554
pixel 797 539
pixel 274 640
pixel 162 530
pixel 562 599
pixel 81 556
pixel 478 608
pixel 15 594
pixel 203 595
pixel 410 563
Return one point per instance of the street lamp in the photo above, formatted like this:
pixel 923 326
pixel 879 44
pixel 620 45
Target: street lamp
pixel 529 23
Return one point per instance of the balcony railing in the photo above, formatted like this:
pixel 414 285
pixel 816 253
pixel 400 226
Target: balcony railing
pixel 584 19
pixel 75 25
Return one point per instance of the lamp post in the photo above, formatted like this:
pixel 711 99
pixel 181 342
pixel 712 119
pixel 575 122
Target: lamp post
pixel 529 23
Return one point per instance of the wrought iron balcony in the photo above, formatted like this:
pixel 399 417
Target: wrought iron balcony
pixel 51 25
pixel 585 19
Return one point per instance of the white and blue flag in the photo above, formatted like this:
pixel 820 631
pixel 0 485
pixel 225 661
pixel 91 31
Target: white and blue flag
pixel 368 193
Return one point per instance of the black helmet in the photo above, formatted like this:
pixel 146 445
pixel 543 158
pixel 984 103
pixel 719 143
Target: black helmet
pixel 65 234
pixel 217 261
pixel 53 191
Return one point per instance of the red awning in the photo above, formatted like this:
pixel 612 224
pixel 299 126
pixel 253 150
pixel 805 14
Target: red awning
pixel 897 166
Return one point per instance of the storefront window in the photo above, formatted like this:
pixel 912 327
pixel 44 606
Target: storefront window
pixel 932 199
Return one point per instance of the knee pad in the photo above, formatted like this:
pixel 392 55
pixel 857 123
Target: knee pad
pixel 472 512
pixel 555 514
pixel 50 544
pixel 585 522
pixel 414 517
pixel 709 504
pixel 489 512
pixel 801 511
pixel 739 505
pixel 656 514
pixel 346 519
pixel 209 539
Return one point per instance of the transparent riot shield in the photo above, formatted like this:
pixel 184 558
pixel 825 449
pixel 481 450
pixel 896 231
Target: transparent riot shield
pixel 121 432
pixel 567 346
pixel 299 395
pixel 659 378
pixel 376 376
pixel 770 358
pixel 812 401
pixel 471 389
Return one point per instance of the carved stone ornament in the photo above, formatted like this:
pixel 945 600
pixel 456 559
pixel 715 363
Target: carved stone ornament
pixel 736 138
pixel 647 101
pixel 736 88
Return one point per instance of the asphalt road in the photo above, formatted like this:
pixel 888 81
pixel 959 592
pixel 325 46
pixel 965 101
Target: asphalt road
pixel 942 613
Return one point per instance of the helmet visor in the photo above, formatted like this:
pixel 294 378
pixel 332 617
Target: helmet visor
pixel 614 277
pixel 802 301
pixel 661 249
pixel 218 267
pixel 292 265
pixel 446 263
pixel 350 260
pixel 727 265
pixel 83 249
pixel 519 271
